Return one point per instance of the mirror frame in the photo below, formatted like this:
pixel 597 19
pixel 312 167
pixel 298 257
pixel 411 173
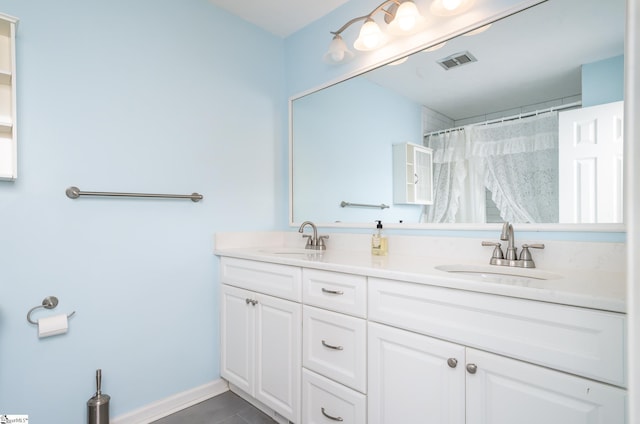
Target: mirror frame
pixel 533 227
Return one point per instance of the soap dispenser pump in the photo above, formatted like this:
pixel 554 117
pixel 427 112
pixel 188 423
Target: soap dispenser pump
pixel 379 243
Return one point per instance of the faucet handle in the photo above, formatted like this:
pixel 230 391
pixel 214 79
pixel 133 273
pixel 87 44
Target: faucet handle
pixel 525 254
pixel 321 245
pixel 309 238
pixel 497 252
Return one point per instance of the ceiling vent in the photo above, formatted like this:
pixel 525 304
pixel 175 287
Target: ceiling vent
pixel 456 60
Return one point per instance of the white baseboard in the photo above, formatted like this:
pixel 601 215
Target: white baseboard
pixel 167 406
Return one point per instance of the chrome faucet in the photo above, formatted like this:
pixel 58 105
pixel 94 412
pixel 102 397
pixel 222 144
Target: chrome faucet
pixel 511 258
pixel 313 241
pixel 507 235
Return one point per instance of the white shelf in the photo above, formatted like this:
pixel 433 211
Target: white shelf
pixel 8 136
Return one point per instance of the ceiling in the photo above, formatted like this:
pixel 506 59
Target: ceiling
pixel 279 17
pixel 526 59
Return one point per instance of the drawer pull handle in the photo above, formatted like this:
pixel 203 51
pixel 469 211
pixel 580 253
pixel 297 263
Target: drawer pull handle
pixel 331 347
pixel 338 292
pixel 330 417
pixel 452 362
pixel 472 368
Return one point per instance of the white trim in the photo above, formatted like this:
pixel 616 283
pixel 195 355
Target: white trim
pixel 167 406
pixel 632 204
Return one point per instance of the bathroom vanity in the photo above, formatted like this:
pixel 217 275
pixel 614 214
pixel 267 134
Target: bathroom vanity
pixel 341 336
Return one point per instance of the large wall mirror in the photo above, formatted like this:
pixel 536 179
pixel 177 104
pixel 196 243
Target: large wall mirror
pixel 523 119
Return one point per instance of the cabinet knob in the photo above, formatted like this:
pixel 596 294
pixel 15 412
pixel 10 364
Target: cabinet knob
pixel 247 300
pixel 472 368
pixel 329 416
pixel 452 362
pixel 254 302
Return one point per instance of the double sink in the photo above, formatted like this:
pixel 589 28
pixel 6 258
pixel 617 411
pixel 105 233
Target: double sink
pixel 485 273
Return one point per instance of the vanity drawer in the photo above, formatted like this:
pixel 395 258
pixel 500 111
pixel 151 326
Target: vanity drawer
pixel 346 293
pixel 580 341
pixel 277 280
pixel 334 345
pixel 325 401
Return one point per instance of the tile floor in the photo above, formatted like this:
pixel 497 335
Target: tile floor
pixel 227 408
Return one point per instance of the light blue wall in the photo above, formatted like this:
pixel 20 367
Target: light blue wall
pixel 160 96
pixel 603 81
pixel 359 173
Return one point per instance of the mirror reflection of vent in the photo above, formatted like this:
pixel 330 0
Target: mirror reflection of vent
pixel 456 60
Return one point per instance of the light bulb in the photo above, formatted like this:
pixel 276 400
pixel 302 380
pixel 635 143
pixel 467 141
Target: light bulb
pixel 370 35
pixel 407 16
pixel 338 51
pixel 451 4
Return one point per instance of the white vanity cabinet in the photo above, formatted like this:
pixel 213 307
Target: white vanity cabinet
pixel 261 333
pixel 8 147
pixel 506 391
pixel 334 347
pixel 421 379
pixel 412 174
pixel 320 346
pixel 414 378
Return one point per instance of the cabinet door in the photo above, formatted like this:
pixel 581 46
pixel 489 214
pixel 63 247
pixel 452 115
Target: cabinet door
pixel 423 159
pixel 278 357
pixel 507 391
pixel 237 337
pixel 414 378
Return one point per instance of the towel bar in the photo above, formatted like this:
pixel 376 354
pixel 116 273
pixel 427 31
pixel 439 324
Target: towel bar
pixel 75 192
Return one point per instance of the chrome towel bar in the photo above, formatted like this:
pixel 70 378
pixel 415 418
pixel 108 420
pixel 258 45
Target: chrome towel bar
pixel 362 205
pixel 75 192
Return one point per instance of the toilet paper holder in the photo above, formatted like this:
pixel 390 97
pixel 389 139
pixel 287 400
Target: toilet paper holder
pixel 48 302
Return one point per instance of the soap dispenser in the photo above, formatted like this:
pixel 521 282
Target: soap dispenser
pixel 379 241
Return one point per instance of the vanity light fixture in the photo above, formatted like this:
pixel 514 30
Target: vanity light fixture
pixel 401 16
pixel 450 7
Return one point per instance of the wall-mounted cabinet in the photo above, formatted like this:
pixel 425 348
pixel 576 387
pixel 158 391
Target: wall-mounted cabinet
pixel 8 147
pixel 412 174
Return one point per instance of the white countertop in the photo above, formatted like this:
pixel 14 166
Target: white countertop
pixel 597 289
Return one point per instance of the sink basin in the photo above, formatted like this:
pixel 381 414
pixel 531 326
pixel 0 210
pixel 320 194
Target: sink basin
pixel 291 251
pixel 494 273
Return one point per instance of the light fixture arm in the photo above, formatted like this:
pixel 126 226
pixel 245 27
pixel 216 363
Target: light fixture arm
pixel 389 15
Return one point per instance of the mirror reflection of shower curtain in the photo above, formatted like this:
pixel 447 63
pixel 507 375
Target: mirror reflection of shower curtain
pixel 454 180
pixel 521 166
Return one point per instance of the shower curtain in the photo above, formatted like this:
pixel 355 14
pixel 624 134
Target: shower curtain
pixel 517 161
pixel 521 166
pixel 449 173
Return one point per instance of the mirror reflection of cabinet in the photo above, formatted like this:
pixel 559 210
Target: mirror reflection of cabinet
pixel 8 156
pixel 412 174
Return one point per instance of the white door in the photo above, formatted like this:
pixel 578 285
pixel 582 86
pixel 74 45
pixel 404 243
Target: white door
pixel 508 391
pixel 590 163
pixel 278 356
pixel 237 337
pixel 414 378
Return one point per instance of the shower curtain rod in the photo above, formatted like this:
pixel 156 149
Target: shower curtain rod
pixel 509 118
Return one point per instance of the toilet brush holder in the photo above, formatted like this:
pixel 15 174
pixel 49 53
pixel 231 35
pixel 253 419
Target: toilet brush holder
pixel 98 405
